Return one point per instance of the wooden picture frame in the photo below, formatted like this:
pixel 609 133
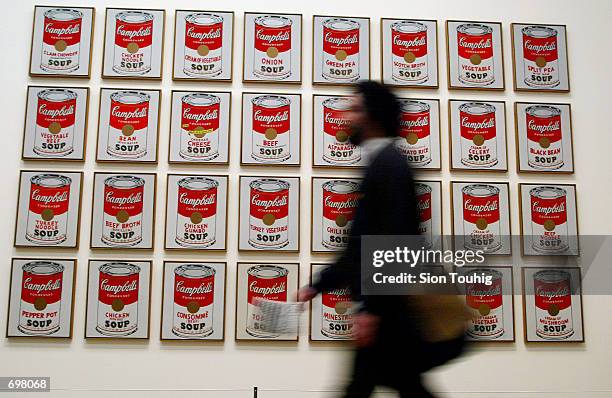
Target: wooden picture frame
pixel 268 136
pixel 478 63
pixel 550 76
pixel 194 325
pixel 71 31
pixel 122 278
pixel 55 123
pixel 132 117
pixel 142 58
pixel 126 193
pixel 191 64
pixel 269 61
pixel 560 317
pixel 197 190
pixel 44 220
pixel 31 322
pixel 418 67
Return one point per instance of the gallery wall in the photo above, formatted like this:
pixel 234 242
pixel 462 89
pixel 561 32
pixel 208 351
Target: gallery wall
pixel 92 368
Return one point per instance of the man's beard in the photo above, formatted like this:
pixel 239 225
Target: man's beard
pixel 356 137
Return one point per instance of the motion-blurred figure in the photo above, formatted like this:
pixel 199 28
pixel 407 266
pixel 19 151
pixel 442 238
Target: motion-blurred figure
pixel 393 348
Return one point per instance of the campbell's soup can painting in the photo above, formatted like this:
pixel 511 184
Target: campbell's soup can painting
pixel 272 53
pixel 337 312
pixel 269 213
pixel 423 198
pixel 341 50
pixel 415 129
pixel 540 56
pixel 123 204
pixel 340 199
pixel 553 301
pixel 61 41
pixel 409 62
pixel 266 282
pixel 271 128
pixel 133 42
pixel 478 130
pixel 129 124
pixel 475 49
pixel 337 148
pixel 200 120
pixel 41 295
pixel 485 303
pixel 544 137
pixel 203 45
pixel 194 296
pixel 549 219
pixel 481 217
pixel 196 212
pixel 48 209
pixel 55 119
pixel 118 286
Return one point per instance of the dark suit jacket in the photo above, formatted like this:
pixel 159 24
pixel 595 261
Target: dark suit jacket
pixel 387 207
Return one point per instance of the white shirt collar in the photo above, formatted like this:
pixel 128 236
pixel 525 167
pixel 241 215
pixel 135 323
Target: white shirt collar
pixel 372 146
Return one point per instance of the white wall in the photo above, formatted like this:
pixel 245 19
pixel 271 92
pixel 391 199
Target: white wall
pixel 97 369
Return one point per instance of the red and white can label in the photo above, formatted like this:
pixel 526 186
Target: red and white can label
pixel 553 302
pixel 415 129
pixel 475 50
pixel 337 312
pixel 340 199
pixel 203 45
pixel 196 215
pixel 200 120
pixel 55 120
pixel 48 209
pixel 272 52
pixel 481 215
pixel 549 219
pixel 485 303
pixel 123 204
pixel 423 199
pixel 41 296
pixel 337 148
pixel 341 50
pixel 61 43
pixel 478 129
pixel 540 56
pixel 269 214
pixel 271 128
pixel 129 124
pixel 118 287
pixel 266 282
pixel 544 137
pixel 409 52
pixel 133 42
pixel 194 296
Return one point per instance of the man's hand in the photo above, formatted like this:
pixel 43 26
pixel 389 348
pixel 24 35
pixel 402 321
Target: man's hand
pixel 306 293
pixel 365 328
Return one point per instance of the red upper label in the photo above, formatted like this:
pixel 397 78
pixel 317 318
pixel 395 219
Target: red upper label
pixel 477 294
pixel 335 40
pixel 199 290
pixel 136 115
pixel 554 209
pixel 475 208
pixel 535 47
pixel 471 125
pixel 127 199
pixel 206 117
pixel 424 206
pixel 47 287
pixel 208 35
pixel 140 33
pixel 46 198
pixel 276 203
pixel 334 121
pixel 415 123
pixel 68 31
pixel 61 112
pixel 266 37
pixel 113 287
pixel 544 127
pixel 203 201
pixel 481 45
pixel 416 43
pixel 276 118
pixel 333 297
pixel 339 204
pixel 274 289
pixel 552 293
